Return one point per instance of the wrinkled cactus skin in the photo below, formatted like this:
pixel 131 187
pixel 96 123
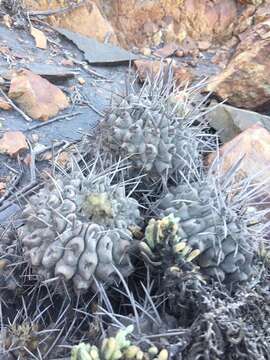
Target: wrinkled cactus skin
pixel 150 135
pixel 224 245
pixel 77 229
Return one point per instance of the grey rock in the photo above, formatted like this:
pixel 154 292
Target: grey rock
pixel 96 52
pixel 230 121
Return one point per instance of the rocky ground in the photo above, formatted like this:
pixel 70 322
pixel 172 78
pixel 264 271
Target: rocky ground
pixel 134 179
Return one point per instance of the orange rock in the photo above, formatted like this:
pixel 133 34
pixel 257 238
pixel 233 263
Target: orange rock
pixel 36 96
pixel 209 20
pixel 4 105
pixel 86 19
pixel 245 80
pixel 253 147
pixel 12 143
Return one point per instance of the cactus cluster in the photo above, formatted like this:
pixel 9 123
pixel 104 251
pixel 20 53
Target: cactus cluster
pixel 116 348
pixel 77 228
pixel 156 138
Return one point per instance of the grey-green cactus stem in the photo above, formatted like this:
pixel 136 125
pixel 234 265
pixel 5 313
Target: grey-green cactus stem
pixel 77 229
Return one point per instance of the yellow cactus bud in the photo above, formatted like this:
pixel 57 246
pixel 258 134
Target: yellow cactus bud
pixel 139 355
pixel 94 353
pixel 180 246
pixel 131 351
pixel 153 350
pixel 193 255
pixel 109 346
pixel 174 269
pixel 163 355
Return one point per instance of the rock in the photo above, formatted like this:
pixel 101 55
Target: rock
pixel 245 80
pixel 188 47
pixel 40 38
pixel 167 50
pixel 2 187
pixel 81 80
pixel 209 20
pixel 230 121
pixel 253 2
pixel 85 19
pixel 36 96
pixel 67 62
pixel 13 143
pixel 204 45
pixel 183 75
pixel 151 68
pixel 96 52
pixel 4 105
pixel 253 147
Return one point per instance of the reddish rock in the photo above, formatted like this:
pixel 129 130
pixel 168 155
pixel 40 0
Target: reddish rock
pixel 150 68
pixel 253 147
pixel 13 143
pixel 167 50
pixel 245 80
pixel 4 105
pixel 36 96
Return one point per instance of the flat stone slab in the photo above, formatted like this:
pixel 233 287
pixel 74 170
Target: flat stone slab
pixel 96 52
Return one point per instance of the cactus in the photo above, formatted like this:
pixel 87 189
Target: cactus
pixel 77 228
pixel 163 246
pixel 156 137
pixel 215 223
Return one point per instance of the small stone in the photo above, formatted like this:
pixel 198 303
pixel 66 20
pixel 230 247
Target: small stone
pixel 13 143
pixel 204 45
pixel 36 96
pixel 4 105
pixel 67 62
pixel 167 50
pixel 81 80
pixel 2 188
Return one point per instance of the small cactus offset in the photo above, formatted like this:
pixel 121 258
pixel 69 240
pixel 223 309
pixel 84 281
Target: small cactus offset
pixel 77 229
pixel 145 128
pixel 163 246
pixel 116 348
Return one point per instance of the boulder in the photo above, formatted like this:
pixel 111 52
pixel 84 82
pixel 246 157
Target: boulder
pixel 253 147
pixel 245 81
pixel 86 19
